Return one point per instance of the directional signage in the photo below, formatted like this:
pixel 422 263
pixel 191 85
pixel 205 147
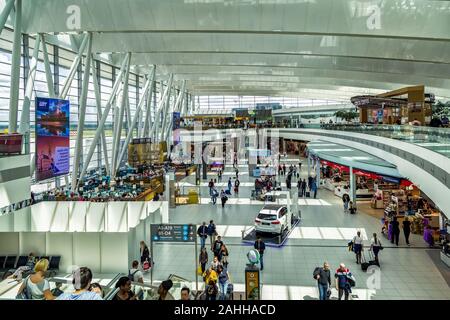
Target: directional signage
pixel 173 233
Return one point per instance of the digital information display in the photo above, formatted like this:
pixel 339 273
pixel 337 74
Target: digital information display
pixel 173 233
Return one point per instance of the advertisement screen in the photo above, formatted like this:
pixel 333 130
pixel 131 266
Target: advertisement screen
pixel 52 138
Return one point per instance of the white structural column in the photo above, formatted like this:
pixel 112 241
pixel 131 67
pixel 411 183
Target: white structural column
pixel 352 186
pixel 48 70
pixel 24 126
pixel 82 114
pixel 119 123
pixel 318 173
pixel 98 101
pixel 133 123
pixel 5 13
pixel 161 104
pixel 148 117
pixel 15 69
pixel 73 68
pixel 166 110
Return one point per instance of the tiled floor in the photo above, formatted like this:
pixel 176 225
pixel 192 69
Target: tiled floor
pixel 406 272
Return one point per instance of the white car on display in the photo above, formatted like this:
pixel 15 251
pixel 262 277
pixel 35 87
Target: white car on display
pixel 272 218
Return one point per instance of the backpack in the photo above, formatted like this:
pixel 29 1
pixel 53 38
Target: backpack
pixel 25 293
pixel 316 272
pixel 131 275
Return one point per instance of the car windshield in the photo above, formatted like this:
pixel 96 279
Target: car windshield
pixel 267 216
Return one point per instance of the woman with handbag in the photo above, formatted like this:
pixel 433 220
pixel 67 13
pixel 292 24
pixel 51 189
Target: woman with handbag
pixel 35 286
pixel 375 247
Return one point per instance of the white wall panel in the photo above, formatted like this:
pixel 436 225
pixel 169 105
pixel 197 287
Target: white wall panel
pixel 9 243
pixel 78 210
pixel 33 242
pixel 86 250
pixel 117 216
pixel 114 252
pixel 14 191
pixel 60 219
pixel 136 210
pixel 22 220
pixel 41 215
pixel 7 223
pixel 94 218
pixel 61 243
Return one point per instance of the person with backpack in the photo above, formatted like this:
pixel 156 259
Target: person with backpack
pixel 212 233
pixel 134 274
pixel 223 198
pixel 344 281
pixel 375 247
pixel 236 186
pixel 217 246
pixel 261 247
pixel 223 281
pixel 202 232
pixel 36 286
pixel 323 277
pixel 211 291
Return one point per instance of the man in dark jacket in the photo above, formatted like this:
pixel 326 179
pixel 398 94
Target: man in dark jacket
pixel 217 245
pixel 202 232
pixel 212 233
pixel 260 246
pixel 323 277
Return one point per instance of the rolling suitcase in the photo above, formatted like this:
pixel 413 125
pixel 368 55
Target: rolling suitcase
pixel 373 262
pixel 308 194
pixel 364 264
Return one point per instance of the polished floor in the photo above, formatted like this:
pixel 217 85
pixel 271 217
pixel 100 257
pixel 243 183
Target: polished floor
pixel 323 234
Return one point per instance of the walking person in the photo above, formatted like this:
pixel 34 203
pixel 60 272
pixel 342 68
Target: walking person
pixel 214 196
pixel 323 277
pixel 203 259
pixel 395 231
pixel 211 233
pixel 144 253
pixel 375 247
pixel 343 285
pixel 217 246
pixel 223 255
pixel 223 198
pixel 237 172
pixel 346 201
pixel 223 281
pixel 314 188
pixel 260 246
pixel 352 208
pixel 358 246
pixel 299 187
pixel 407 229
pixel 230 185
pixel 236 186
pixel 211 186
pixel 303 187
pixel 202 232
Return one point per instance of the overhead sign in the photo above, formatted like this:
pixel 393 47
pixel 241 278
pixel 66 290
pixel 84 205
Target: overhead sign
pixel 173 232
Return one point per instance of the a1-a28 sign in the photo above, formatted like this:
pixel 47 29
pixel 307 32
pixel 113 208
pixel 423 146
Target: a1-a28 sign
pixel 173 233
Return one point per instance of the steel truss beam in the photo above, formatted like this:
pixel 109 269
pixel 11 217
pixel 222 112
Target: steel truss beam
pixel 82 114
pixel 98 101
pixel 134 122
pixel 105 114
pixel 148 117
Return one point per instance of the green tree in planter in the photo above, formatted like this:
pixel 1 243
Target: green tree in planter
pixel 347 115
pixel 441 109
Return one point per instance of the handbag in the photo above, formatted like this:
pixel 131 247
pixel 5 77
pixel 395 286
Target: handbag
pixel 350 246
pixel 24 294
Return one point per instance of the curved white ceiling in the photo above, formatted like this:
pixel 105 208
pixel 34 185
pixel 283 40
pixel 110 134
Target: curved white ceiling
pixel 268 47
